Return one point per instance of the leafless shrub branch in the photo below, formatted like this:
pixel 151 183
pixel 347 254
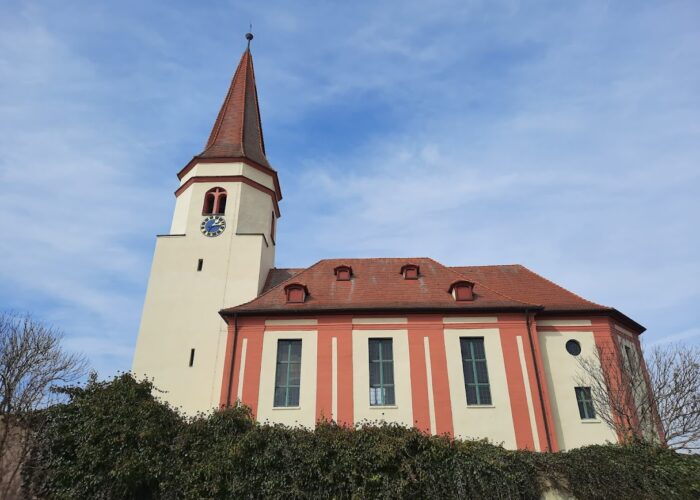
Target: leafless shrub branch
pixel 655 395
pixel 31 363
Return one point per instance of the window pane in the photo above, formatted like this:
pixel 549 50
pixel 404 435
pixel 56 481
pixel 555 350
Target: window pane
pixel 373 349
pixel 374 373
pixel 478 345
pixel 389 395
pixel 468 372
pixel 279 396
pixel 466 351
pixel 375 396
pixel 581 410
pixel 293 396
pixel 590 410
pixel 282 350
pixel 388 372
pixel 281 376
pixel 484 395
pixel 481 372
pixel 471 395
pixel 387 350
pixel 295 355
pixel 294 373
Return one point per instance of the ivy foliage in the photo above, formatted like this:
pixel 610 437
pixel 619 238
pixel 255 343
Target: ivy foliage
pixel 114 440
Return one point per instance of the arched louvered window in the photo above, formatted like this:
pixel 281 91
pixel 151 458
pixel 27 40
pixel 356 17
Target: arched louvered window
pixel 214 201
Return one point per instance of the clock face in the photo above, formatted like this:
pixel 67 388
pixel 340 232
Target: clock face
pixel 213 225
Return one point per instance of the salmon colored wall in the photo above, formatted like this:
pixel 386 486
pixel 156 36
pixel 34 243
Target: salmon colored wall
pixel 340 328
pixel 425 332
pixel 510 327
pixel 419 381
pixel 251 329
pixel 421 327
pixel 537 372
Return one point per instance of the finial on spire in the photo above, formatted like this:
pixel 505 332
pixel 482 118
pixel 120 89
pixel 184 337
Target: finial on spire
pixel 249 35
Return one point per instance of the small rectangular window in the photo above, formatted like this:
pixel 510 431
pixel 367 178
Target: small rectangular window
pixel 200 264
pixel 288 376
pixel 585 402
pixel 191 357
pixel 273 228
pixel 381 372
pixel 476 376
pixel 630 359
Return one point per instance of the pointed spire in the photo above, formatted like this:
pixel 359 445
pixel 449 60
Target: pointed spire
pixel 237 132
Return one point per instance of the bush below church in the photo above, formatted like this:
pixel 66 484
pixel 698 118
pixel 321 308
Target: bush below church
pixel 113 440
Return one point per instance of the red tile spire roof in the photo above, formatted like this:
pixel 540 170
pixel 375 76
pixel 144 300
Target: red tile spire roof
pixel 237 131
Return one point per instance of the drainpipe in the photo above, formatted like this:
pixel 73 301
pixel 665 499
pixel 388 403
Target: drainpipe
pixel 537 378
pixel 233 359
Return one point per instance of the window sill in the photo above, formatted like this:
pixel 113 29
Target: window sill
pixel 286 407
pixel 379 407
pixel 480 406
pixel 591 421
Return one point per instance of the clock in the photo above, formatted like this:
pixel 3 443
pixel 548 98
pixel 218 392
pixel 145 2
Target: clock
pixel 213 225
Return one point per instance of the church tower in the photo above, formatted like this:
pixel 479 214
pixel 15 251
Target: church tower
pixel 218 253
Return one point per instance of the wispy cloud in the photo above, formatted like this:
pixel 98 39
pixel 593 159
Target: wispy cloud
pixel 564 137
pixel 688 335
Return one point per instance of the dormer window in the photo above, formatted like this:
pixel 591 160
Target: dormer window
pixel 296 293
pixel 214 202
pixel 343 273
pixel 410 272
pixel 462 290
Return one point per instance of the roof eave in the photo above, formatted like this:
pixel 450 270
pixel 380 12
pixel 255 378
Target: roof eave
pixel 614 313
pixel 231 159
pixel 345 310
pixel 610 311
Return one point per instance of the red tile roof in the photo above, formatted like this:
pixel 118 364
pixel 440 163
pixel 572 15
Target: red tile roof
pixel 377 284
pixel 237 132
pixel 520 283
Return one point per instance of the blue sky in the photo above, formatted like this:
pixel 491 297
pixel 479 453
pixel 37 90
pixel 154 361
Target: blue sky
pixel 564 136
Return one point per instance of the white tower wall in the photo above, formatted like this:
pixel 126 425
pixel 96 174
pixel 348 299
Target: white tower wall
pixel 181 306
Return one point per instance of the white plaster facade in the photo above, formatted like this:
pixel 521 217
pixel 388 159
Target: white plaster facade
pixel 562 372
pixel 493 421
pixel 402 411
pixel 305 413
pixel 181 304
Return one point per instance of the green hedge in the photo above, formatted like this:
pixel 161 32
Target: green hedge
pixel 114 440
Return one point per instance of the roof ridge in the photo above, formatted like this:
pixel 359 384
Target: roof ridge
pixel 377 258
pixel 258 122
pixel 246 56
pixel 490 265
pixel 485 286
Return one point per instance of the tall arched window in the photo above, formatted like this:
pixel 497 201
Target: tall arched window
pixel 214 201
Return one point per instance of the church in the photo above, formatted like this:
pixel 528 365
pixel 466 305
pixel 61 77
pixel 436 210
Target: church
pixel 469 351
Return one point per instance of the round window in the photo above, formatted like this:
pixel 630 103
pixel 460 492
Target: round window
pixel 573 347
